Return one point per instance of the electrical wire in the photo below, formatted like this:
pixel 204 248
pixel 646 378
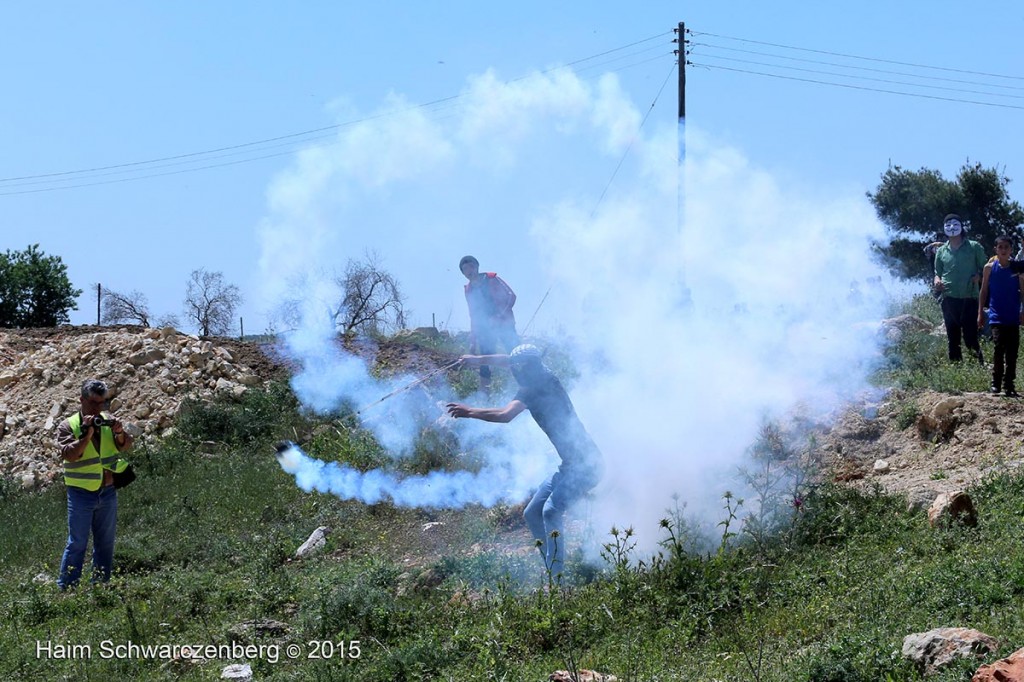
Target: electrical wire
pixel 853 56
pixel 868 78
pixel 854 67
pixel 632 140
pixel 610 181
pixel 295 136
pixel 855 87
pixel 81 180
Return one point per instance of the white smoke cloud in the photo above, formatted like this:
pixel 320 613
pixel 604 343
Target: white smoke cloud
pixel 677 391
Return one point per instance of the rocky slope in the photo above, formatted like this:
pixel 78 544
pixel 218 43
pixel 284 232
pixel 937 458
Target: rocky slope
pixel 149 372
pixel 927 443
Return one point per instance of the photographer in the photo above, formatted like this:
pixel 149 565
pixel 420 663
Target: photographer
pixel 90 441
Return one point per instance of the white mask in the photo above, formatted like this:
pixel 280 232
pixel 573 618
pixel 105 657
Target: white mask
pixel 952 228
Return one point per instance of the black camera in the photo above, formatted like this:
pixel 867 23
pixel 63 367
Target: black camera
pixel 99 420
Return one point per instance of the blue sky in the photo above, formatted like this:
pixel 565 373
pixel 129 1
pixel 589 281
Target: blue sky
pixel 105 84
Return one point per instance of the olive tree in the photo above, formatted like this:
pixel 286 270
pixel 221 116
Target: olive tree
pixel 210 302
pixel 372 300
pixel 130 308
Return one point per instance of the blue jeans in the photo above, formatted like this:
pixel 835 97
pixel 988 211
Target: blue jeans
pixel 89 511
pixel 545 512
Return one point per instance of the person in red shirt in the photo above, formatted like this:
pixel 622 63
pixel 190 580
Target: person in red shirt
pixel 491 320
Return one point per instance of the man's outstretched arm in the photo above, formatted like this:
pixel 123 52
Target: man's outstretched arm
pixel 501 415
pixel 497 360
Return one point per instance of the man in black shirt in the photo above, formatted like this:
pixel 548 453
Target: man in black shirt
pixel 542 394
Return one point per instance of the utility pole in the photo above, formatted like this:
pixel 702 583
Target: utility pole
pixel 681 131
pixel 684 296
pixel 99 297
pixel 681 52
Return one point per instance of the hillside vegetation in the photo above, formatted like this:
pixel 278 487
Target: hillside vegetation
pixel 821 591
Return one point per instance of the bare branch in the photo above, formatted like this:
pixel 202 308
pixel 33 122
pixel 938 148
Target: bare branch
pixel 130 308
pixel 372 301
pixel 210 302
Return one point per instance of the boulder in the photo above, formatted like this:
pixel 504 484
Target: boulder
pixel 1010 669
pixel 314 543
pixel 936 649
pixel 895 327
pixel 237 671
pixel 582 676
pixel 145 357
pixel 945 407
pixel 919 499
pixel 956 507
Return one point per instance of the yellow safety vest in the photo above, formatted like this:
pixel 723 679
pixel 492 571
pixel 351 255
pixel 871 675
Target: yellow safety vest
pixel 87 472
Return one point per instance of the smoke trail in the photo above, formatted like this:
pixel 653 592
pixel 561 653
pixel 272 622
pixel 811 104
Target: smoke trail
pixel 447 490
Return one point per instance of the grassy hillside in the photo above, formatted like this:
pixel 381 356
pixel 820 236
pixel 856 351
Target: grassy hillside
pixel 822 592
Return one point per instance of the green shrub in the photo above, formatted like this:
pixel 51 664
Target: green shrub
pixel 258 416
pixel 907 414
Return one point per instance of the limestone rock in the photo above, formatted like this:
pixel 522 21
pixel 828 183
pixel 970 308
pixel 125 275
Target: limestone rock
pixel 895 327
pixel 314 543
pixel 237 671
pixel 941 422
pixel 946 406
pixel 955 506
pixel 43 579
pixel 937 648
pixel 919 499
pixel 1010 669
pixel 583 676
pixel 146 357
pixel 881 467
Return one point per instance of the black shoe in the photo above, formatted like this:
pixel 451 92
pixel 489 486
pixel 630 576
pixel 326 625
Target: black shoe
pixel 994 389
pixel 1011 392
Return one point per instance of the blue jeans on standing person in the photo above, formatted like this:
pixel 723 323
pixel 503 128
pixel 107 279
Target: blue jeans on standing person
pixel 545 512
pixel 94 512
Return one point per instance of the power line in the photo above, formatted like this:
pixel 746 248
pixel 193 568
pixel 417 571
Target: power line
pixel 855 87
pixel 856 68
pixel 79 180
pixel 632 140
pixel 610 180
pixel 294 136
pixel 868 78
pixel 854 56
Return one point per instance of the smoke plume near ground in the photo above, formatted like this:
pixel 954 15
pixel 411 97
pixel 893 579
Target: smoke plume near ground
pixel 437 489
pixel 688 334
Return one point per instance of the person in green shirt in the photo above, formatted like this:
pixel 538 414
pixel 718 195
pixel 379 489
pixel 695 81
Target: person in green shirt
pixel 958 267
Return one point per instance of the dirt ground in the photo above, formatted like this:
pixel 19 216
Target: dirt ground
pixel 923 454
